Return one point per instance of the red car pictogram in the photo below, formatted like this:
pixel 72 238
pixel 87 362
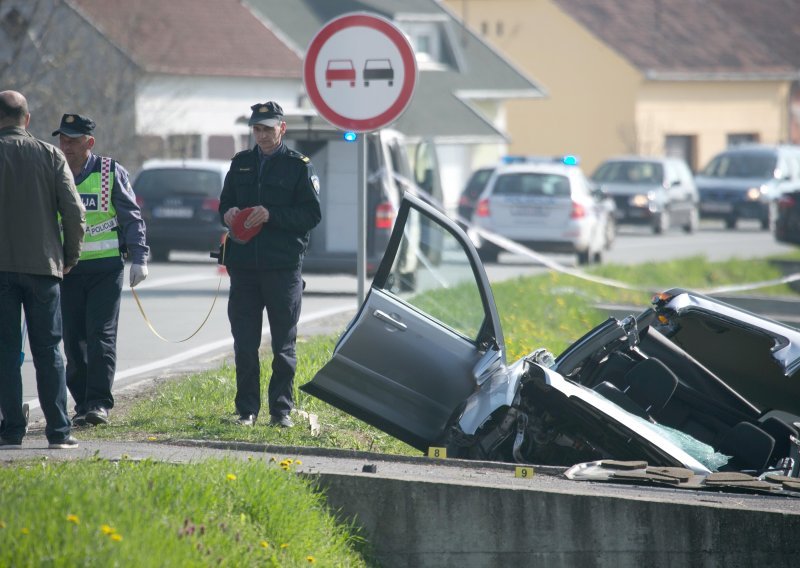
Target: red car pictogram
pixel 340 70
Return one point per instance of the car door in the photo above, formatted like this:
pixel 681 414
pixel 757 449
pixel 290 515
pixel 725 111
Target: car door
pixel 408 361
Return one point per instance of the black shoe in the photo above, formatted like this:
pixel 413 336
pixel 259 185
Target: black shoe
pixel 282 421
pixel 246 420
pixel 10 444
pixel 68 443
pixel 79 419
pixel 97 416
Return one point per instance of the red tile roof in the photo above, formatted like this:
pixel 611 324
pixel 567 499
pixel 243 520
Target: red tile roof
pixel 192 37
pixel 690 36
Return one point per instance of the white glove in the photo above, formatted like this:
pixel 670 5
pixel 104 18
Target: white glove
pixel 138 273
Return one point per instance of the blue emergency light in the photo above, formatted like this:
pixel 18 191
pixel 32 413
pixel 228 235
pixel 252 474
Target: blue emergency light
pixel 350 136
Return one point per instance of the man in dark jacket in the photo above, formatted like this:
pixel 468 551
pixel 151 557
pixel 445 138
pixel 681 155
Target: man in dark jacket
pixel 273 190
pixel 35 187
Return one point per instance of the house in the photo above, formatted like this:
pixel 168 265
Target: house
pixel 678 77
pixel 462 88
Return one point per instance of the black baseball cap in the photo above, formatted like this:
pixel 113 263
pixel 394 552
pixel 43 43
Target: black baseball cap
pixel 269 113
pixel 75 125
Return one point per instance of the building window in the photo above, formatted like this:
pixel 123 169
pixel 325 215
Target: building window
pixel 682 146
pixel 221 147
pixel 183 146
pixel 737 138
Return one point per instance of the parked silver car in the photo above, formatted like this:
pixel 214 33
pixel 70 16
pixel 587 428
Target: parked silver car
pixel 689 382
pixel 659 192
pixel 546 205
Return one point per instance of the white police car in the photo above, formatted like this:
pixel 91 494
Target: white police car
pixel 546 204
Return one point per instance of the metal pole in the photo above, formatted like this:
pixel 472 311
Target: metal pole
pixel 361 256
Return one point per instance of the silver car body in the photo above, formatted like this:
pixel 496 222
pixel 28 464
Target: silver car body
pixel 428 366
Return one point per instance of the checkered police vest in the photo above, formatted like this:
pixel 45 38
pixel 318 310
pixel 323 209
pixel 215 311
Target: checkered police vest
pixel 100 240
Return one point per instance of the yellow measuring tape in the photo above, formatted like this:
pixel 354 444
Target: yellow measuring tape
pixel 208 315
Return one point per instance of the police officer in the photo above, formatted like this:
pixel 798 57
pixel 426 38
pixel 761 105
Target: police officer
pixel 91 292
pixel 276 189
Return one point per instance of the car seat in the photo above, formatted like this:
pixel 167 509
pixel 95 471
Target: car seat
pixel 647 387
pixel 749 446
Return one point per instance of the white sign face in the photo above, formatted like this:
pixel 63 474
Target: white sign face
pixel 360 72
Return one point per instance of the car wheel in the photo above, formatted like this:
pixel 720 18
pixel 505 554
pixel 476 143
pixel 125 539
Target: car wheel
pixel 597 257
pixel 488 253
pixel 662 223
pixel 730 222
pixel 584 257
pixel 159 254
pixel 694 222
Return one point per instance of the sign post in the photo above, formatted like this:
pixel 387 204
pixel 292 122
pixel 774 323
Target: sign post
pixel 359 73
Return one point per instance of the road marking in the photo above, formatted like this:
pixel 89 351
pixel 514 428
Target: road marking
pixel 198 351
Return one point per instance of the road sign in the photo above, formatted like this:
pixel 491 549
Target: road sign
pixel 360 72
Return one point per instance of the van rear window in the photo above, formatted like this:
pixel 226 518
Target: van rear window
pixel 532 184
pixel 178 181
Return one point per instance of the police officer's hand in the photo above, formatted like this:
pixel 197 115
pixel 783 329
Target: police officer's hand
pixel 230 214
pixel 138 273
pixel 257 216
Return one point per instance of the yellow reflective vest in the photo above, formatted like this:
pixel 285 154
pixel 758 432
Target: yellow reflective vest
pixel 101 239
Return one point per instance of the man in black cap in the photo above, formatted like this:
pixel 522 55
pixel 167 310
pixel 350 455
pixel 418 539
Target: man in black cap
pixel 279 187
pixel 90 294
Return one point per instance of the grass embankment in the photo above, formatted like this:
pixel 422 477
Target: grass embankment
pixel 150 506
pixel 218 513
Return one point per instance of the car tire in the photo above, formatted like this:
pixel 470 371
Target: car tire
pixel 159 254
pixel 693 223
pixel 488 253
pixel 730 222
pixel 584 257
pixel 661 224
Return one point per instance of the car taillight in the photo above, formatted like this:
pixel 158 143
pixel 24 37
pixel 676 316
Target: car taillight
pixel 384 216
pixel 578 211
pixel 482 210
pixel 786 202
pixel 211 204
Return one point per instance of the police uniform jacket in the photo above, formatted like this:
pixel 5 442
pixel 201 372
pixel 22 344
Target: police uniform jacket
pixel 286 185
pixel 35 185
pixel 130 225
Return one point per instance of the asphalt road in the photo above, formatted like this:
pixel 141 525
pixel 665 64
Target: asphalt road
pixel 177 297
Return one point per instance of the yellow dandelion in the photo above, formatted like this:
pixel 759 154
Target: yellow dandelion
pixel 298 462
pixel 310 559
pixel 25 530
pixel 284 545
pixel 107 529
pixel 2 524
pixel 272 459
pixel 151 438
pixel 231 477
pixel 73 519
pixel 116 537
pixel 263 544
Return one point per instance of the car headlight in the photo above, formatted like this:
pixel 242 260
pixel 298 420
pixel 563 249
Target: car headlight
pixel 755 193
pixel 639 200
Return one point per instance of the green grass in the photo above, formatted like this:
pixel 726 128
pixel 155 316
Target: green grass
pixel 218 513
pixel 193 515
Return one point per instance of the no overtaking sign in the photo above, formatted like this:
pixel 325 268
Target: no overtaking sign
pixel 360 72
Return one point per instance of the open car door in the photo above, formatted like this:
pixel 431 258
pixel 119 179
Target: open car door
pixel 423 339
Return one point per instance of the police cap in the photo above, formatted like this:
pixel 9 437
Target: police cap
pixel 269 113
pixel 75 125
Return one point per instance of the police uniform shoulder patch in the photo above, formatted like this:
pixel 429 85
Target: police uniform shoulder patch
pixel 298 155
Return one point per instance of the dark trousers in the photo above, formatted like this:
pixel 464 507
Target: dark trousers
pixel 280 292
pixel 39 297
pixel 90 308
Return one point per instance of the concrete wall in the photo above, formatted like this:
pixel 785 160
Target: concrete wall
pixel 418 524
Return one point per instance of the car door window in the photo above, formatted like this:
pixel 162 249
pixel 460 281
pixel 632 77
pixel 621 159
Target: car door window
pixel 432 273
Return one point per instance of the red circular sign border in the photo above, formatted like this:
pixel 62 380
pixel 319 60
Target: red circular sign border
pixel 406 53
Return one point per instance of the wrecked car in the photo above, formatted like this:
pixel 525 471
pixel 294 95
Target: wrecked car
pixel 689 382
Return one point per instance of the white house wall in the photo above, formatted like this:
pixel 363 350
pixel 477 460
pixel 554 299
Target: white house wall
pixel 169 105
